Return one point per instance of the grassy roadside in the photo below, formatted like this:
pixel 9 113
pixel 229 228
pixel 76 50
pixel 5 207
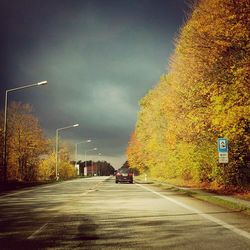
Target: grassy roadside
pixel 198 193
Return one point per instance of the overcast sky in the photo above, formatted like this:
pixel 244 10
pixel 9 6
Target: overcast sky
pixel 100 57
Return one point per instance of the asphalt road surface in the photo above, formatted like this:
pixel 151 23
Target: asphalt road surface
pixel 97 213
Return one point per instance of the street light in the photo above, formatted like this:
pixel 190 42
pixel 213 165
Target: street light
pixel 57 139
pixel 5 121
pixel 93 149
pixel 76 150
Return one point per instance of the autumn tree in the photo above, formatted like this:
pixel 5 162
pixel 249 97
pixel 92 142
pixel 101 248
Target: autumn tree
pixel 46 168
pixel 135 154
pixel 25 143
pixel 66 169
pixel 47 165
pixel 215 45
pixel 205 95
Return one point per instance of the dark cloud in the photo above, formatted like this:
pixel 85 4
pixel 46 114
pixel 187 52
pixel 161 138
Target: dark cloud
pixel 99 57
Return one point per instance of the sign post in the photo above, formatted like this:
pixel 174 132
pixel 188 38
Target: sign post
pixel 223 150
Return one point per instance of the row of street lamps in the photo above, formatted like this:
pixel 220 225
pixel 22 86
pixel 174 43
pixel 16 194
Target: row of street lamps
pixel 85 153
pixel 57 131
pixel 76 147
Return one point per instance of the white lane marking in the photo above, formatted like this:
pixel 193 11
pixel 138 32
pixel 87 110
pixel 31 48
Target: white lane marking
pixel 32 236
pixel 200 213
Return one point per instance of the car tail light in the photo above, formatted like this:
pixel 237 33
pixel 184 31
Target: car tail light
pixel 130 174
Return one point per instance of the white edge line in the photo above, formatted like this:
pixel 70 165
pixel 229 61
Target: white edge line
pixel 200 213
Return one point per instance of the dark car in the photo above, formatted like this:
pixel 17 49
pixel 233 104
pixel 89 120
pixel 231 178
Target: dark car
pixel 124 175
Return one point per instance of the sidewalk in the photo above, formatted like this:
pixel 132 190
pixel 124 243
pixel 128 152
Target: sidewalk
pixel 229 201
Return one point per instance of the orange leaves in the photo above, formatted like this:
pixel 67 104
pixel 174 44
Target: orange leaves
pixel 135 154
pixel 205 95
pixel 25 143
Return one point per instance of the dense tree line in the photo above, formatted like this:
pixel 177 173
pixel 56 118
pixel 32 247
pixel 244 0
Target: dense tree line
pixel 103 168
pixel 204 96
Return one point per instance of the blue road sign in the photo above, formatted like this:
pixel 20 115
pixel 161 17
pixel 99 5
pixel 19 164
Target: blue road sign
pixel 222 145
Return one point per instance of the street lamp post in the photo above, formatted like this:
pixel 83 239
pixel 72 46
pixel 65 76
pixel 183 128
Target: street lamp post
pixel 93 149
pixel 5 121
pixel 57 144
pixel 76 150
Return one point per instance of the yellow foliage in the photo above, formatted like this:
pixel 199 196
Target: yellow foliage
pixel 25 143
pixel 204 96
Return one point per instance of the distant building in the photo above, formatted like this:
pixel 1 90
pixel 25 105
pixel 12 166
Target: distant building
pixel 88 169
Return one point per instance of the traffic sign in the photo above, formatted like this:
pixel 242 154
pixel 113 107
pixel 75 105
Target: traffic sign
pixel 223 155
pixel 222 145
pixel 223 150
pixel 223 159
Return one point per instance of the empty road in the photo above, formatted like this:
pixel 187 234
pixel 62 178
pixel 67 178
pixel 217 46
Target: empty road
pixel 96 213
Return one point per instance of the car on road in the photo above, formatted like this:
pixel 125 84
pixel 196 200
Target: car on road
pixel 124 175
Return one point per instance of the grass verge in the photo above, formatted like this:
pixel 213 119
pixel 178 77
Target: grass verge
pixel 200 194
